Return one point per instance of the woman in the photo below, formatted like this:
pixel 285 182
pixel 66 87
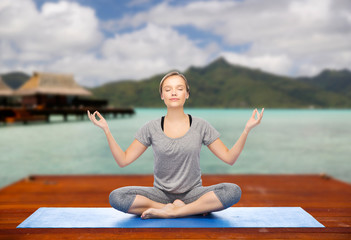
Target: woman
pixel 176 140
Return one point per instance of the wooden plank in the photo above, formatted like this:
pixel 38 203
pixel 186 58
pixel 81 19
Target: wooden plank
pixel 328 200
pixel 168 234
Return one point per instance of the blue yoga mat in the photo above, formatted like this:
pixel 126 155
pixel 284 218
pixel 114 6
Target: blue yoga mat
pixel 237 217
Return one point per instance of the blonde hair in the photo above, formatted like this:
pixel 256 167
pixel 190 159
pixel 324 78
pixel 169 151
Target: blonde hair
pixel 174 74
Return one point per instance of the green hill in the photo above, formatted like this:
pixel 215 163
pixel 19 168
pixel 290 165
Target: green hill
pixel 221 84
pixel 224 85
pixel 331 80
pixel 15 79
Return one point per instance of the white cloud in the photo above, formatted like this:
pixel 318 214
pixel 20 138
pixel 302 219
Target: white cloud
pixel 278 64
pixel 152 43
pixel 301 30
pixel 58 29
pixel 65 37
pixel 292 37
pixel 16 17
pixel 136 55
pixel 204 15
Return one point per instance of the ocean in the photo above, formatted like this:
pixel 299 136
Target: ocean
pixel 288 141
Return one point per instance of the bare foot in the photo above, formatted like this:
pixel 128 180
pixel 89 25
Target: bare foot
pixel 165 212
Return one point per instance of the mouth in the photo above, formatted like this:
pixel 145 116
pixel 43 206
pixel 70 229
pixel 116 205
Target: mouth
pixel 174 99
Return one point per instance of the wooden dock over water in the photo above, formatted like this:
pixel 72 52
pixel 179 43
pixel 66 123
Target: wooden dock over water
pixel 326 199
pixel 26 115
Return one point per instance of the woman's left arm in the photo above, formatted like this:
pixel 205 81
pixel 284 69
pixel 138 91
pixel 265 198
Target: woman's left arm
pixel 230 156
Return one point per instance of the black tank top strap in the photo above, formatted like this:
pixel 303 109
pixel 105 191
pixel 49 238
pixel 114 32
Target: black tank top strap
pixel 163 121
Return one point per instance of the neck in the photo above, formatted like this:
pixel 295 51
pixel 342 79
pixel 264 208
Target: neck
pixel 175 114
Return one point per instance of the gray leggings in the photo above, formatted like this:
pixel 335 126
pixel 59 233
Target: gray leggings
pixel 122 198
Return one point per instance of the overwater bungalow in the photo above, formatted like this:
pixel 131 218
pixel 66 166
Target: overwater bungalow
pixel 6 93
pixel 49 90
pixel 46 94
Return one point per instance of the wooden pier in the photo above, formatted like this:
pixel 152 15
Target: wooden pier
pixel 326 199
pixel 26 115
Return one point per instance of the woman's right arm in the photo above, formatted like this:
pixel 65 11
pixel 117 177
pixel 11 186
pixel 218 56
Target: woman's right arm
pixel 123 158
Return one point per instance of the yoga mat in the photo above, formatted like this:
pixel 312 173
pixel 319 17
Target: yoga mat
pixel 236 217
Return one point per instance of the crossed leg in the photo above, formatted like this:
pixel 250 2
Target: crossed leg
pixel 150 202
pixel 147 208
pixel 142 203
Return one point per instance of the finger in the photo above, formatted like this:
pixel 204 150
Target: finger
pixel 259 119
pixel 100 116
pixel 93 117
pixel 89 115
pixel 253 113
pixel 261 115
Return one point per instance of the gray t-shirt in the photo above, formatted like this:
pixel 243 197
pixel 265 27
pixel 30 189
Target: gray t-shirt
pixel 177 160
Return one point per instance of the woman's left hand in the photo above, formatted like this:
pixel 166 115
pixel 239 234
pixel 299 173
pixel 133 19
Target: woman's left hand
pixel 253 122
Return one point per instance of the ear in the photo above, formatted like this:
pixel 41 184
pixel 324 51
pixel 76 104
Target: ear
pixel 162 96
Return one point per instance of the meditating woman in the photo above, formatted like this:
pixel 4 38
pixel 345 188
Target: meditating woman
pixel 176 140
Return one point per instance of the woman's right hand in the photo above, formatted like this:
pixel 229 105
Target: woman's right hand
pixel 100 123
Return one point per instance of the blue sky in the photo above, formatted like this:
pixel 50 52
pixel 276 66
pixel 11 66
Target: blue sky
pixel 112 9
pixel 110 40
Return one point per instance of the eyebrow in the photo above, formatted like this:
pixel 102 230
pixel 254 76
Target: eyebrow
pixel 180 85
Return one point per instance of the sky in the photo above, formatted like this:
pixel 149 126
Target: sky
pixel 111 40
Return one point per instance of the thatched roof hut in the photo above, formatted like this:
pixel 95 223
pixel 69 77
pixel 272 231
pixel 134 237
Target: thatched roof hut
pixel 52 84
pixel 49 90
pixel 5 90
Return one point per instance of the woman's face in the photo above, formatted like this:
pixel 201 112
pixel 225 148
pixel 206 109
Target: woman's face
pixel 174 92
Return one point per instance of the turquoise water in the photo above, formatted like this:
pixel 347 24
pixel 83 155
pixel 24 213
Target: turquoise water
pixel 287 141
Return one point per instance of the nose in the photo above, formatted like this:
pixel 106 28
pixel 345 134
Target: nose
pixel 174 92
